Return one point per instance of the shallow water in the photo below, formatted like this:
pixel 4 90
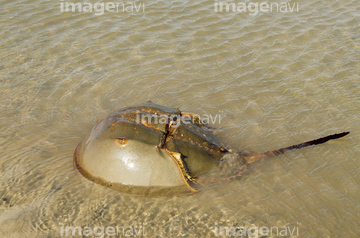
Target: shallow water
pixel 276 79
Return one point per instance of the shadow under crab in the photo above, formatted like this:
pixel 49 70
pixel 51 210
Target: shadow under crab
pixel 156 150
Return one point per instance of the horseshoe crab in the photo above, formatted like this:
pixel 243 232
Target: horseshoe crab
pixel 153 149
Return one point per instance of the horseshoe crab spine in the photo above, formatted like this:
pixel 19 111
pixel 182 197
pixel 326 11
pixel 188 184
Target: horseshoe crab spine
pixel 254 158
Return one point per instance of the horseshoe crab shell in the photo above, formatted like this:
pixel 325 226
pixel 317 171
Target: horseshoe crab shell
pixel 148 149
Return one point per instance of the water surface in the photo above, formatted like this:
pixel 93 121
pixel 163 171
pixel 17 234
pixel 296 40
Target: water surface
pixel 276 79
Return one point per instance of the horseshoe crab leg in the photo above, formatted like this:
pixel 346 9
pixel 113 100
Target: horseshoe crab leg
pixel 254 158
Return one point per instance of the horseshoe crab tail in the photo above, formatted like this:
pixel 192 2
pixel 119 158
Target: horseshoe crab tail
pixel 252 159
